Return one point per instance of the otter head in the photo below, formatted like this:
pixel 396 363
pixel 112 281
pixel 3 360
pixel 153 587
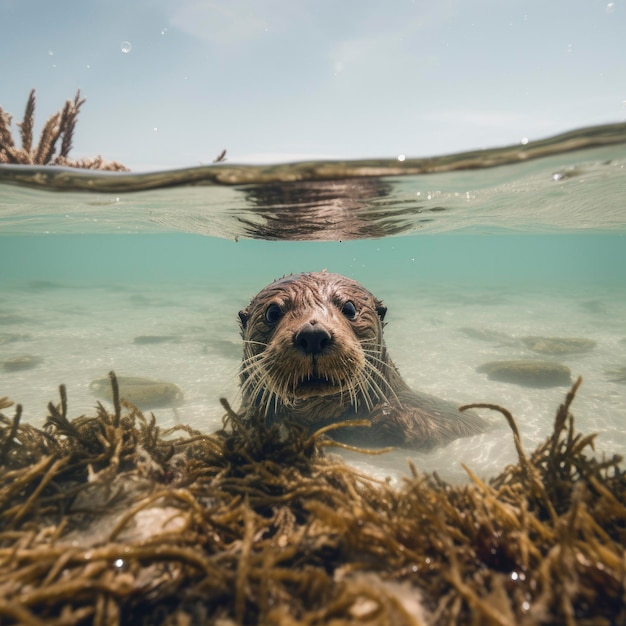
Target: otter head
pixel 313 340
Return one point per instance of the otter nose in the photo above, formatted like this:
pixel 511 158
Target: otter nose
pixel 312 339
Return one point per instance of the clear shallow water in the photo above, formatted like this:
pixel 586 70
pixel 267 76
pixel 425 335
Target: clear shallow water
pixel 77 301
pixel 104 291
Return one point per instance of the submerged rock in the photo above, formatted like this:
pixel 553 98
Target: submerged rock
pixel 223 347
pixel 558 345
pixel 616 375
pixel 527 373
pixel 12 337
pixel 594 306
pixel 144 393
pixel 18 363
pixel 485 334
pixel 148 339
pixel 11 318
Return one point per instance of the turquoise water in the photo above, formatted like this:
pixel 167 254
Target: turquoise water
pixel 513 251
pixel 581 259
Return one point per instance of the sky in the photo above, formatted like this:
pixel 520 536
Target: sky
pixel 171 83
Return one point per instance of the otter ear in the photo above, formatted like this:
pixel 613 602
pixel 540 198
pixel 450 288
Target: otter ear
pixel 381 309
pixel 244 316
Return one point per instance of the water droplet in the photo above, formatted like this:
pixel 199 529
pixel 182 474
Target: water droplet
pixel 88 67
pixel 610 7
pixel 126 47
pixel 525 606
pixel 524 141
pixel 401 157
pixel 569 47
pixel 155 129
pixel 119 563
pixel 514 576
pixel 414 568
pixel 163 31
pixel 50 53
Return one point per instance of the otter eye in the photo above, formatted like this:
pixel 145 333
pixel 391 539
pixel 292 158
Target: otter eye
pixel 349 310
pixel 273 313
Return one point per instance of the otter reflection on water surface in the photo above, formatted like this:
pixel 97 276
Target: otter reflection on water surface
pixel 358 208
pixel 314 353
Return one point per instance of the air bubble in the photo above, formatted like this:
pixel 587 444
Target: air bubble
pixel 610 7
pixel 401 157
pixel 163 31
pixel 126 47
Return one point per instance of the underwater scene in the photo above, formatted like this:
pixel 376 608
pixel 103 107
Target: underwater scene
pixel 318 316
pixel 503 286
pixel 479 269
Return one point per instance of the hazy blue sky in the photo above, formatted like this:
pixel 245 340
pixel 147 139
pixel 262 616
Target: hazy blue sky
pixel 289 79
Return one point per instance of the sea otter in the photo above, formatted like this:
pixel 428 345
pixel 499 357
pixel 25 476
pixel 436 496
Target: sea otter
pixel 313 352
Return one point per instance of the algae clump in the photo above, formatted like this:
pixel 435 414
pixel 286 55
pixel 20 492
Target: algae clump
pixel 263 526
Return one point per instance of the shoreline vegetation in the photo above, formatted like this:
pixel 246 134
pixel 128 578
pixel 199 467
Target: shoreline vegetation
pixel 59 127
pixel 111 520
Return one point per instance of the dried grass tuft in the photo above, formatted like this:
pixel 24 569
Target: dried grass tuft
pixel 59 126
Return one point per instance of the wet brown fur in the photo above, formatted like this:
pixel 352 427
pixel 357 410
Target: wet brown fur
pixel 348 376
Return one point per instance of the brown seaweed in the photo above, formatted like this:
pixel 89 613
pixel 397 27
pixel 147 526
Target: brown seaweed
pixel 59 126
pixel 262 526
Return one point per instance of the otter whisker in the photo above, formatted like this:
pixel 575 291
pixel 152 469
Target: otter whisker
pixel 252 342
pixel 372 357
pixel 364 385
pixel 370 372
